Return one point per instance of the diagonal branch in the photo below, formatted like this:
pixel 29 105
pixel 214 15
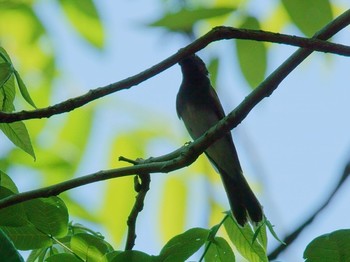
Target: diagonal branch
pixel 216 34
pixel 188 154
pixel 291 237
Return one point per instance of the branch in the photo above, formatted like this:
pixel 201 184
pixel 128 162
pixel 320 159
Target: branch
pixel 142 189
pixel 188 154
pixel 290 238
pixel 216 34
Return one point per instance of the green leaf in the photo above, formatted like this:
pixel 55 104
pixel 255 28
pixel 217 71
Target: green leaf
pixel 35 254
pixel 7 94
pixel 113 254
pixel 27 237
pixel 260 235
pixel 272 231
pixel 48 215
pixel 8 250
pixel 6 71
pixel 17 131
pixel 89 247
pixel 219 251
pixel 252 55
pixel 18 134
pixel 182 246
pixel 63 257
pixel 23 89
pixel 14 215
pixel 84 17
pixel 133 256
pixel 184 19
pixel 32 224
pixel 330 247
pixel 6 181
pixel 4 57
pixel 242 238
pixel 309 16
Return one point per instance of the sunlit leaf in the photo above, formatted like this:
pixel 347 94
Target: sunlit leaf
pixel 252 55
pixel 63 257
pixel 27 237
pixel 272 231
pixel 260 235
pixel 8 250
pixel 242 239
pixel 173 204
pixel 309 16
pixel 17 131
pixel 182 246
pixel 84 17
pixel 49 215
pixel 4 57
pixel 36 254
pixel 111 255
pixel 6 71
pixel 7 91
pixel 12 215
pixel 332 247
pixel 184 19
pixel 219 251
pixel 18 134
pixel 133 255
pixel 6 181
pixel 89 247
pixel 23 89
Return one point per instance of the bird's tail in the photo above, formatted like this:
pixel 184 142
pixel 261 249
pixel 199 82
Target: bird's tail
pixel 242 200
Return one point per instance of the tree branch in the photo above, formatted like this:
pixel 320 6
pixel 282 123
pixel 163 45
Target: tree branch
pixel 290 238
pixel 142 189
pixel 189 153
pixel 216 34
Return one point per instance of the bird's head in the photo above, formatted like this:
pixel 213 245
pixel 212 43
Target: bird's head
pixel 193 65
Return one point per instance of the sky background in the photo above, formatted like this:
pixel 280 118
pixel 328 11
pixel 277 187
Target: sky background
pixel 292 146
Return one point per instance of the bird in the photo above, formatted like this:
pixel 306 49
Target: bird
pixel 198 105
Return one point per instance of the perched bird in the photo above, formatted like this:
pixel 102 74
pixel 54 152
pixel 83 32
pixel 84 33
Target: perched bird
pixel 198 105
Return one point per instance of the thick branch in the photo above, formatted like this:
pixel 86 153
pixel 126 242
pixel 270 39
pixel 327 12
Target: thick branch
pixel 188 154
pixel 216 34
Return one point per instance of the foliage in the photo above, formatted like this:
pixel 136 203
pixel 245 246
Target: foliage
pixel 44 225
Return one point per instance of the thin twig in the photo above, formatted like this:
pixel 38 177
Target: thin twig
pixel 189 153
pixel 128 160
pixel 142 189
pixel 290 238
pixel 216 34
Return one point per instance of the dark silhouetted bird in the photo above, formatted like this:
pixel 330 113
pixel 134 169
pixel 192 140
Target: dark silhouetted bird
pixel 198 105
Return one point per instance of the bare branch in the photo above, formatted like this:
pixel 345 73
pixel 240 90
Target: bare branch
pixel 291 237
pixel 189 153
pixel 216 34
pixel 142 189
